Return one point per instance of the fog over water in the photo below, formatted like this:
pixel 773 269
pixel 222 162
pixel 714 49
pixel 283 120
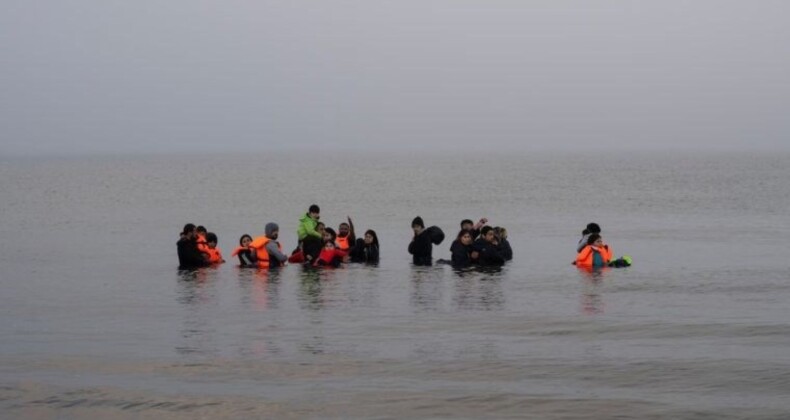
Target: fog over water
pixel 105 77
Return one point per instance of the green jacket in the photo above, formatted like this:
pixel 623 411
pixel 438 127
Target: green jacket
pixel 307 227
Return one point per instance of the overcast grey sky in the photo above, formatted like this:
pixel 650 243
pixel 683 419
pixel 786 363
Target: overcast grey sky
pixel 106 76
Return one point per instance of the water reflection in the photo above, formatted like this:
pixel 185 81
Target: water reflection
pixel 592 299
pixel 260 287
pixel 197 291
pixel 427 287
pixel 478 290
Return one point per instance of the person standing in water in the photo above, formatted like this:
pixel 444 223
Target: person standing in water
pixel 595 253
pixel 188 255
pixel 366 250
pixel 420 246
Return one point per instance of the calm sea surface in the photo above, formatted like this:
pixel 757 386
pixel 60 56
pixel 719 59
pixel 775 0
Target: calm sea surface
pixel 98 322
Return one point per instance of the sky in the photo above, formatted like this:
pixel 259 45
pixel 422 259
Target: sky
pixel 151 76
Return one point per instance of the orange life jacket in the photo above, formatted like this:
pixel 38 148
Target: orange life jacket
pixel 585 257
pixel 342 243
pixel 259 244
pixel 214 255
pixel 202 245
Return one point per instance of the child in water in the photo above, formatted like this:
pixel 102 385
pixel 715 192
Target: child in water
pixel 214 253
pixel 247 256
pixel 330 256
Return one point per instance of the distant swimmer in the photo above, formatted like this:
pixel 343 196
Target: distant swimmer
pixel 269 252
pixel 246 255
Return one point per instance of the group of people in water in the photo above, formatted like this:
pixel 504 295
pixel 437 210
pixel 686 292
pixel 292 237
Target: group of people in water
pixel 477 244
pixel 319 245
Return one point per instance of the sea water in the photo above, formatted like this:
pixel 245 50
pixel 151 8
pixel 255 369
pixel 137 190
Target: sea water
pixel 98 322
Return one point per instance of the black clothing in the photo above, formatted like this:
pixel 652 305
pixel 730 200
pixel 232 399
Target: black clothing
pixel 311 247
pixel 505 249
pixel 248 258
pixel 188 254
pixel 421 249
pixel 460 254
pixel 362 252
pixel 489 253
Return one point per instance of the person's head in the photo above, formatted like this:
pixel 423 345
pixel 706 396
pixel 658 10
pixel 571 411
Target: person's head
pixel 593 228
pixel 500 232
pixel 272 231
pixel 371 238
pixel 343 230
pixel 329 234
pixel 189 231
pixel 595 239
pixel 245 240
pixel 467 224
pixel 487 233
pixel 211 239
pixel 417 225
pixel 465 237
pixel 329 245
pixel 314 211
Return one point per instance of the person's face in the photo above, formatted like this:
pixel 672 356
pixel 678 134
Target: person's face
pixel 343 230
pixel 467 226
pixel 327 236
pixel 190 234
pixel 417 229
pixel 490 236
pixel 274 234
pixel 212 245
pixel 466 239
pixel 329 245
pixel 598 242
pixel 246 241
pixel 320 228
pixel 368 238
pixel 315 216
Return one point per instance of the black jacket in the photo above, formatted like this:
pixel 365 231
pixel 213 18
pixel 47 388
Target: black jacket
pixel 460 254
pixel 188 254
pixel 421 249
pixel 489 253
pixel 362 252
